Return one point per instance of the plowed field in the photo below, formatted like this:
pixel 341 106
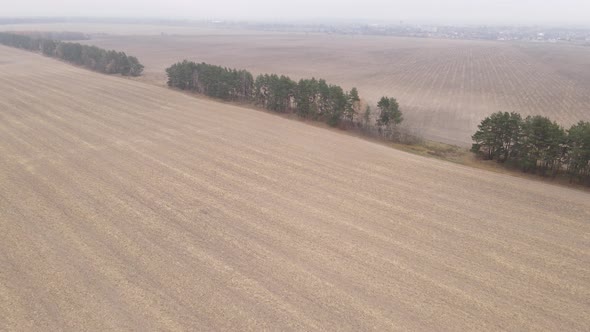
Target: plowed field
pixel 445 87
pixel 127 206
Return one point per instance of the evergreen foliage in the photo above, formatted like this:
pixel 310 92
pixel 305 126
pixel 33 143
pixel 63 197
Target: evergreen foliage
pixel 389 113
pixel 91 57
pixel 309 98
pixel 498 135
pixel 535 144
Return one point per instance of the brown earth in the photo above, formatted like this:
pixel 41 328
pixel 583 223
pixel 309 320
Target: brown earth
pixel 126 206
pixel 445 87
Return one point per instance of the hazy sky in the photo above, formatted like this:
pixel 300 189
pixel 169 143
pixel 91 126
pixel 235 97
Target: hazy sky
pixel 460 11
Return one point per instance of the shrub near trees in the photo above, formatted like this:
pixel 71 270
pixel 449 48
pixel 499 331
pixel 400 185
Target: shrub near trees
pixel 309 98
pixel 91 57
pixel 535 144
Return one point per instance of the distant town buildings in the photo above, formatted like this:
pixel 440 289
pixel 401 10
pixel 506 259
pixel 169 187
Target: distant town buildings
pixel 499 33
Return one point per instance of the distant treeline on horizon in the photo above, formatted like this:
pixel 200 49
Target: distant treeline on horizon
pixel 91 57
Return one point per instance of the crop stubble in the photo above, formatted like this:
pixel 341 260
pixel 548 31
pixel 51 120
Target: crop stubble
pixel 128 206
pixel 445 87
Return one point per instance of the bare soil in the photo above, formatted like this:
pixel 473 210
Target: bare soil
pixel 127 206
pixel 445 87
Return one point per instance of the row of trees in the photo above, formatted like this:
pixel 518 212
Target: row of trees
pixel 309 98
pixel 91 57
pixel 536 144
pixel 214 81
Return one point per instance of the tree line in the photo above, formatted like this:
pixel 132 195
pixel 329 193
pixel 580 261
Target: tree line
pixel 91 57
pixel 309 98
pixel 535 144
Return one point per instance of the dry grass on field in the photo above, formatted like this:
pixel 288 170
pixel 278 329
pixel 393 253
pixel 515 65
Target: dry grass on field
pixel 125 206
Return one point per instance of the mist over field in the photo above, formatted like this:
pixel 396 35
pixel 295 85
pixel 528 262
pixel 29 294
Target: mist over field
pixel 565 12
